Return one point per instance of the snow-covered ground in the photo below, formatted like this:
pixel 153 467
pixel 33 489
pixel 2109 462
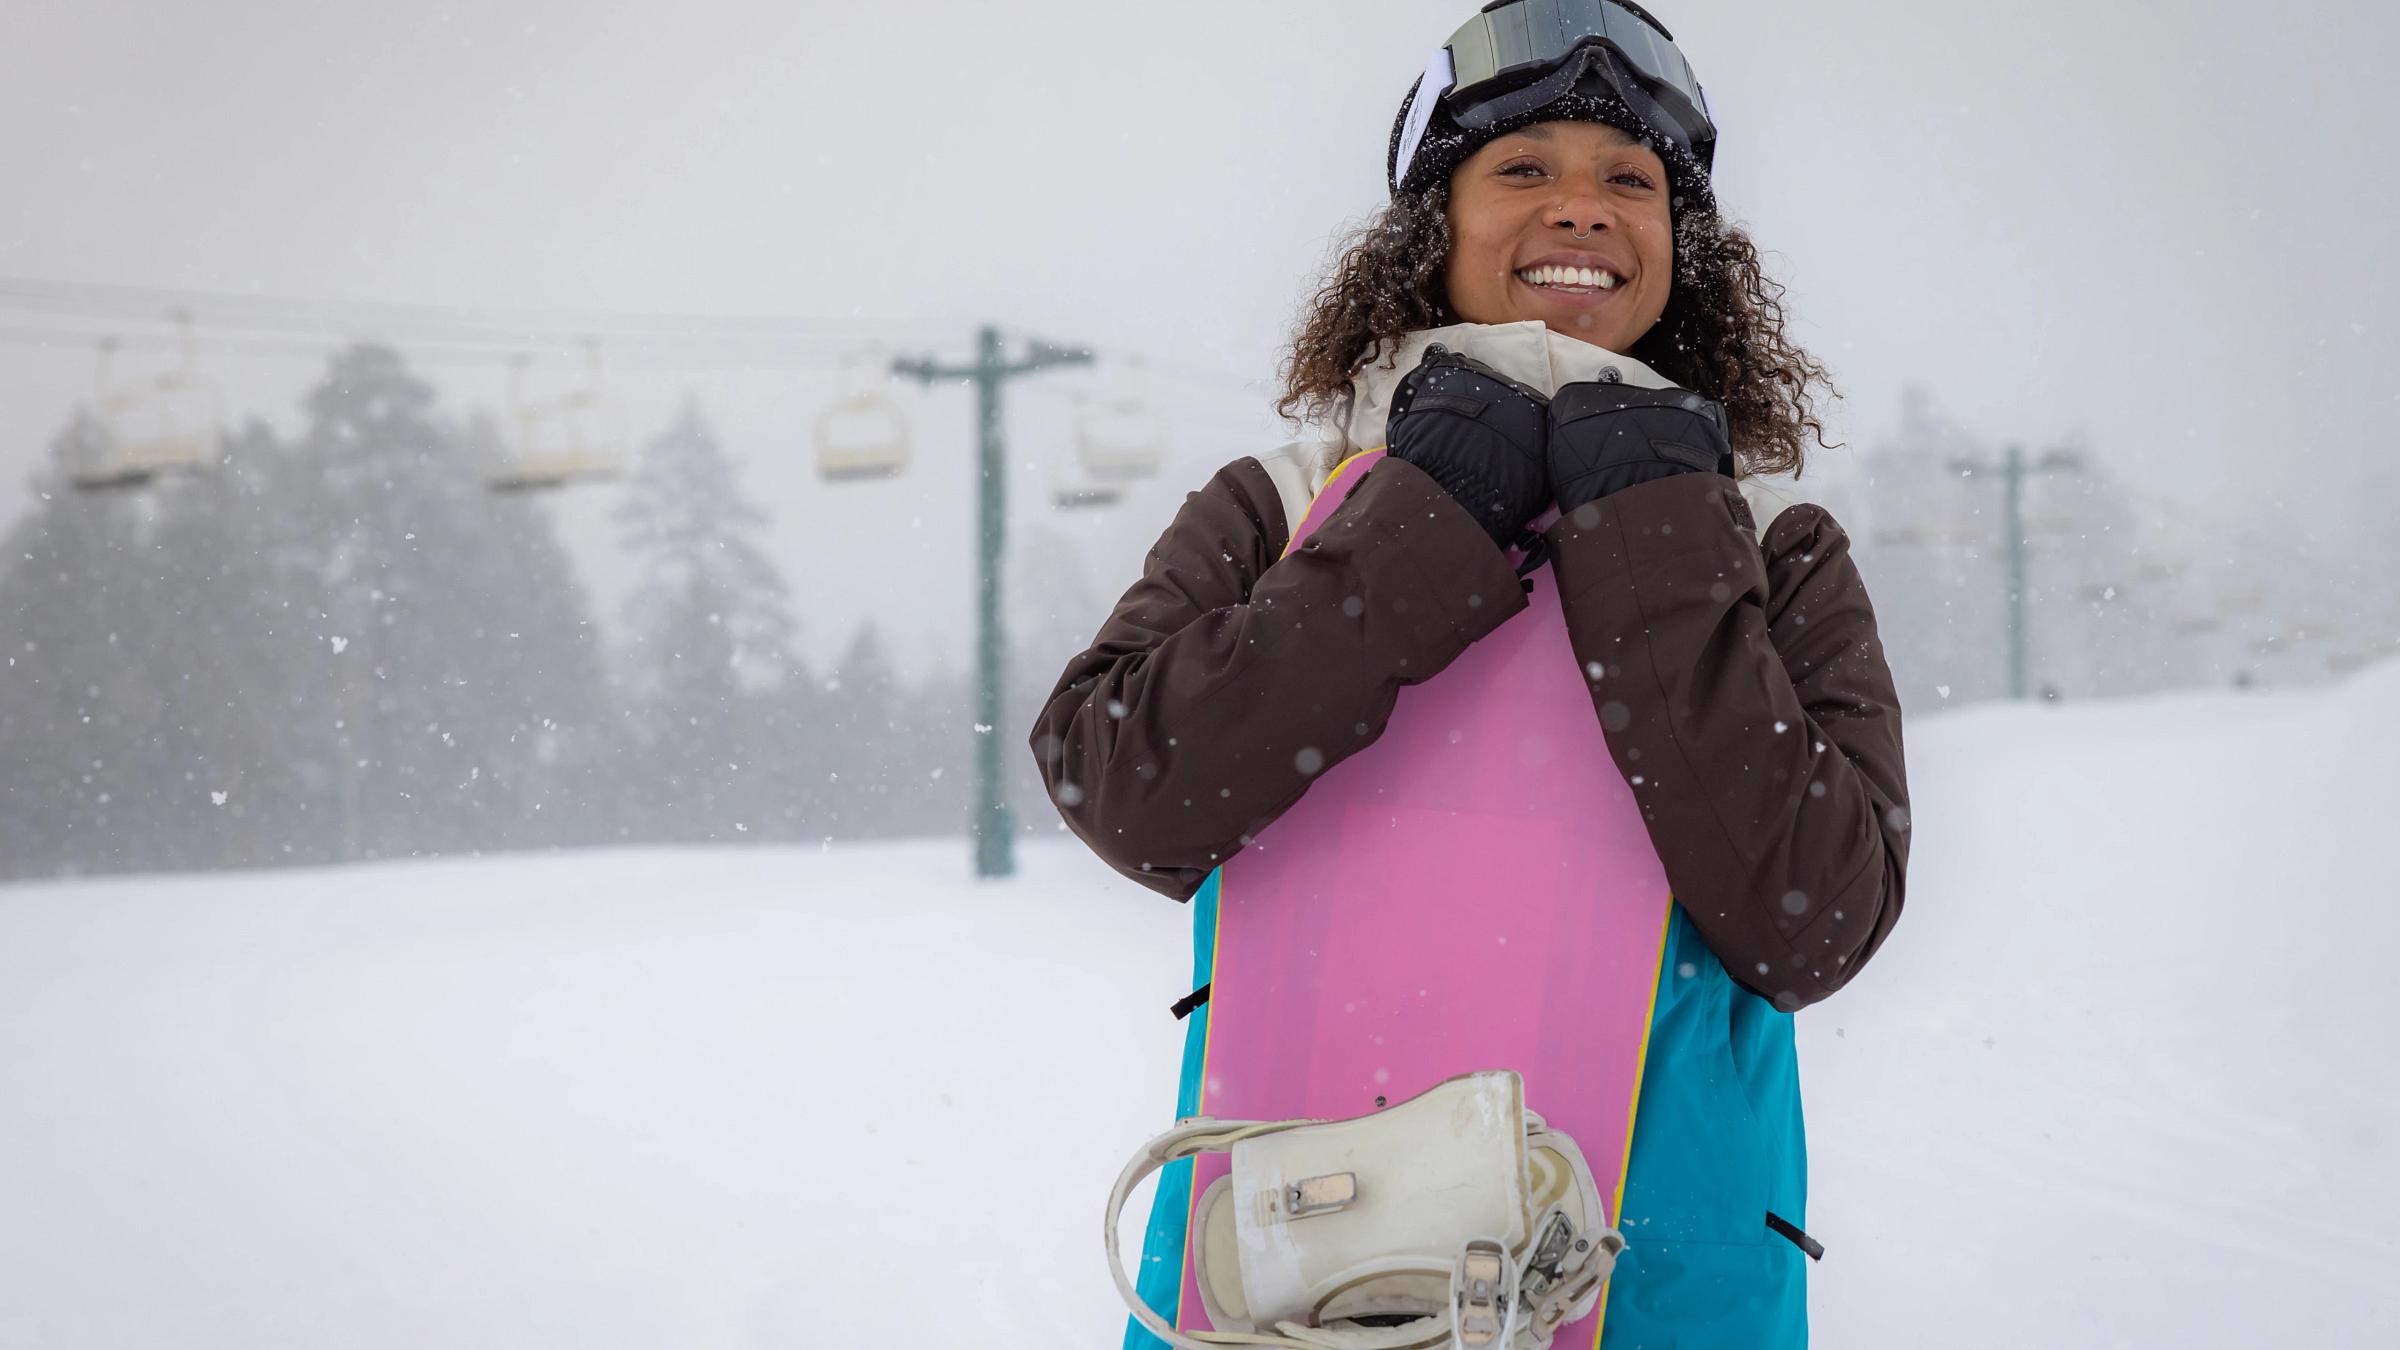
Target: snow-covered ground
pixel 2122 1077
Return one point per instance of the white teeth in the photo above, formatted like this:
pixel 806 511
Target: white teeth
pixel 1570 276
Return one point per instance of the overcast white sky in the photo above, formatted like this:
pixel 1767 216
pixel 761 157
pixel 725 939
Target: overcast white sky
pixel 2166 224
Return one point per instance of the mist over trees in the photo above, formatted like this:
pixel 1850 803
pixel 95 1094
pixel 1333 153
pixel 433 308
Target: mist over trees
pixel 713 694
pixel 342 646
pixel 2127 589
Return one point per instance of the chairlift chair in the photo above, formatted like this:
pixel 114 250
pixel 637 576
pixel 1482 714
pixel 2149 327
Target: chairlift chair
pixel 862 435
pixel 1086 496
pixel 1074 488
pixel 2249 599
pixel 576 437
pixel 170 422
pixel 1121 438
pixel 1935 533
pixel 2312 625
pixel 2361 656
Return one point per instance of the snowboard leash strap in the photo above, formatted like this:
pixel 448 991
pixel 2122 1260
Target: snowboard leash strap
pixel 1183 1006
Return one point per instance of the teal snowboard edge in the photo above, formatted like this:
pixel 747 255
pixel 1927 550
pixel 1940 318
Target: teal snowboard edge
pixel 1160 1280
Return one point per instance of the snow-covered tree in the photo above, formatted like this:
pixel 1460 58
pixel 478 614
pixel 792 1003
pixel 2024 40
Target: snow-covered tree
pixel 451 640
pixel 859 731
pixel 73 701
pixel 707 650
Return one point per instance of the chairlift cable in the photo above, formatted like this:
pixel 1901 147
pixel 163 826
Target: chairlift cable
pixel 115 301
pixel 409 323
pixel 431 353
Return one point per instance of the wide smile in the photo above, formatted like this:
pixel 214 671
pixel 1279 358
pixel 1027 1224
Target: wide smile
pixel 1576 284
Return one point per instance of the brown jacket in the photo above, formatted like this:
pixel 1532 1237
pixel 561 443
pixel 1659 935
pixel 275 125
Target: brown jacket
pixel 1738 680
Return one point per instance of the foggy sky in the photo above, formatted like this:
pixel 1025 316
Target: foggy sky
pixel 2163 224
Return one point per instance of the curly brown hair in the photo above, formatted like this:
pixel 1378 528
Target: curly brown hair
pixel 1722 333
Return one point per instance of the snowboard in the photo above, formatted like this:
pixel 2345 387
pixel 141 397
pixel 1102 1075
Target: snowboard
pixel 1474 891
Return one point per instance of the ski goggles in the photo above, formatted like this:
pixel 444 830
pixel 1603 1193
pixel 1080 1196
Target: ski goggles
pixel 1521 55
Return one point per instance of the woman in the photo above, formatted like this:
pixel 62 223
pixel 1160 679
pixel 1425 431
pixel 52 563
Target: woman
pixel 1551 216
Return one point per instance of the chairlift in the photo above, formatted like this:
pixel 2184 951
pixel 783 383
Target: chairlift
pixel 170 422
pixel 2251 599
pixel 1073 488
pixel 1085 496
pixel 861 436
pixel 577 436
pixel 2362 656
pixel 1935 533
pixel 2294 631
pixel 1121 438
pixel 2242 601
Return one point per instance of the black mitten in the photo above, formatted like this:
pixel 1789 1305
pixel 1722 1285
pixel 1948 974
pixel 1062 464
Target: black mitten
pixel 1605 438
pixel 1479 434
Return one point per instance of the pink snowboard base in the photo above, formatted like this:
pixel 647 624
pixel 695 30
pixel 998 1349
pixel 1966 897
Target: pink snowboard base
pixel 1474 891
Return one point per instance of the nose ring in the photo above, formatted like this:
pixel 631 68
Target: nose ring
pixel 1583 234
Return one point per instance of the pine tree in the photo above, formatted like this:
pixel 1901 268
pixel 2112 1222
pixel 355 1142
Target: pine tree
pixel 340 649
pixel 70 702
pixel 708 642
pixel 452 641
pixel 859 749
pixel 1054 611
pixel 244 761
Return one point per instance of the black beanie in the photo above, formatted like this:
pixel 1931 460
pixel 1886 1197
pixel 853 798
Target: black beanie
pixel 1446 144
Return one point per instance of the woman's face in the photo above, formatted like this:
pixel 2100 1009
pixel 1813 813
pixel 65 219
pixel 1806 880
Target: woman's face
pixel 1516 209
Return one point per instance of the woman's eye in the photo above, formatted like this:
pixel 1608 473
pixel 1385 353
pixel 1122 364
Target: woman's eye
pixel 1534 169
pixel 1632 176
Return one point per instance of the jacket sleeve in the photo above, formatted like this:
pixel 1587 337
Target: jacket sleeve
pixel 1229 677
pixel 1743 691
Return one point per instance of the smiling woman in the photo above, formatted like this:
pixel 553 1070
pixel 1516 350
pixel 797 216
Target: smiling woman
pixel 1583 193
pixel 1492 738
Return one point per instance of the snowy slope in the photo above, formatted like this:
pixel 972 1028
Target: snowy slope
pixel 645 1099
pixel 2128 1074
pixel 2118 1081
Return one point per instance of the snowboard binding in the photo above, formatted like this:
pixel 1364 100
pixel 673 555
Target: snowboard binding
pixel 1456 1220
